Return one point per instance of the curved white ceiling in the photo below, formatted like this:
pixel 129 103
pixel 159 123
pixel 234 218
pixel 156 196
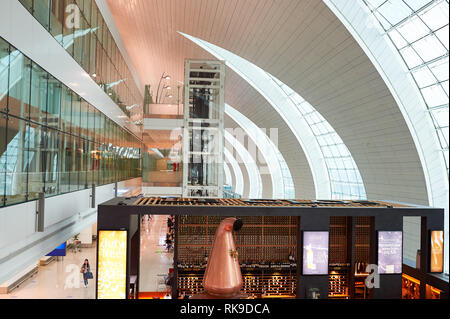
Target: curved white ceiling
pixel 303 44
pixel 419 31
pixel 341 177
pixel 228 179
pixel 255 184
pixel 239 178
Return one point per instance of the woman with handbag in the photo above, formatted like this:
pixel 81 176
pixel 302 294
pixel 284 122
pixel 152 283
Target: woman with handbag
pixel 86 271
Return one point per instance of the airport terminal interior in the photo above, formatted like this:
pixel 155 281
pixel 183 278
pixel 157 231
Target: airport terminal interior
pixel 224 149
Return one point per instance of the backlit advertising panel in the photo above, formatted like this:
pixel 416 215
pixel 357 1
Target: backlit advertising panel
pixel 390 252
pixel 315 253
pixel 437 251
pixel 112 264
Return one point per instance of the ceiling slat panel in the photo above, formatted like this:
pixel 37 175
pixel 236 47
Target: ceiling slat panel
pixel 300 42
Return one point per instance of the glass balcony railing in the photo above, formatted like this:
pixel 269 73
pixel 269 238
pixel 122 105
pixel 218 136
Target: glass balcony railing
pixel 162 167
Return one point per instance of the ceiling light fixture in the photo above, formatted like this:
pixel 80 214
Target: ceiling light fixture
pixel 164 76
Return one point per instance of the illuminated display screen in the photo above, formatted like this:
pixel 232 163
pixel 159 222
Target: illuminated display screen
pixel 437 250
pixel 112 264
pixel 390 252
pixel 315 253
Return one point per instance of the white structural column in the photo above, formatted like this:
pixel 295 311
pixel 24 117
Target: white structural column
pixel 259 79
pixel 254 176
pixel 358 20
pixel 264 146
pixel 66 214
pixel 23 31
pixel 345 179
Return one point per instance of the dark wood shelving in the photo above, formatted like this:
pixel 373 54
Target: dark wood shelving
pixel 262 240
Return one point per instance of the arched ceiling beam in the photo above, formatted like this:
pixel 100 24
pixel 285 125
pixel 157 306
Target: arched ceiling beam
pixel 255 184
pixel 282 184
pixel 328 157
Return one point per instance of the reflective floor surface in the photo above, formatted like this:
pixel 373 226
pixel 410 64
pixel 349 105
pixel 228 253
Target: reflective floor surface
pixel 155 260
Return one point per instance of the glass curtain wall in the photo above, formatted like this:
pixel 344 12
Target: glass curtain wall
pixel 90 43
pixel 419 31
pixel 53 141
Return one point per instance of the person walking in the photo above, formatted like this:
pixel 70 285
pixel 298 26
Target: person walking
pixel 169 224
pixel 168 242
pixel 86 271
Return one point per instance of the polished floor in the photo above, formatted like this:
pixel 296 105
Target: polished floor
pixel 155 261
pixel 59 280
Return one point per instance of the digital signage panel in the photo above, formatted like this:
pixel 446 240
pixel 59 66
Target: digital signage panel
pixel 112 264
pixel 390 252
pixel 437 251
pixel 315 253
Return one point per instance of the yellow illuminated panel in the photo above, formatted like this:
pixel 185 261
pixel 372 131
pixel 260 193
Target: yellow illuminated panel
pixel 112 264
pixel 437 250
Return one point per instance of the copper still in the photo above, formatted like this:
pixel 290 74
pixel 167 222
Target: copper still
pixel 223 276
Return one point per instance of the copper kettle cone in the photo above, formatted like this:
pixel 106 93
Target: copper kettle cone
pixel 223 276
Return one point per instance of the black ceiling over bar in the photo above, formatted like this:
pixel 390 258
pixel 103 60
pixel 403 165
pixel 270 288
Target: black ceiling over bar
pixel 261 207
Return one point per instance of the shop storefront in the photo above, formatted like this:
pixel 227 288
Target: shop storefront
pixel 286 249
